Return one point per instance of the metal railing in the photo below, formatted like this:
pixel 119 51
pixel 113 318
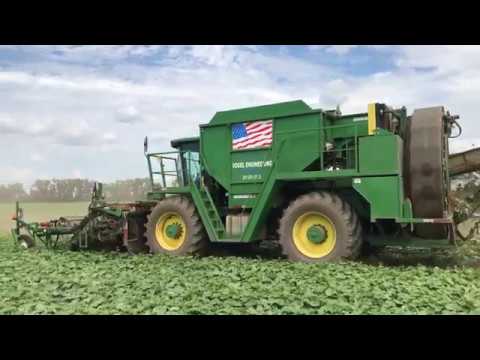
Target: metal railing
pixel 173 168
pixel 347 152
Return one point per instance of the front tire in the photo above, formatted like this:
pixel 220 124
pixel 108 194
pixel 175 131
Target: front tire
pixel 26 241
pixel 320 227
pixel 174 228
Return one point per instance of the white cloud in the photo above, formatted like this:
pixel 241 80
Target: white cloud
pixel 334 49
pixel 464 144
pixel 87 53
pixel 11 174
pixel 159 135
pixel 76 173
pixel 218 55
pixel 109 137
pixel 340 49
pixel 8 125
pixel 37 157
pixel 82 134
pixel 129 115
pixel 68 104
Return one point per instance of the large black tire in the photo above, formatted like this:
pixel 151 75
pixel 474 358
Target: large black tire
pixel 195 242
pixel 348 239
pixel 26 241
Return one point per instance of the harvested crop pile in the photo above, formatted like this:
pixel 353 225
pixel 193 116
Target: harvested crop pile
pixel 62 282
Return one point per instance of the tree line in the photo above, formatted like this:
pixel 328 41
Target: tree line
pixel 74 190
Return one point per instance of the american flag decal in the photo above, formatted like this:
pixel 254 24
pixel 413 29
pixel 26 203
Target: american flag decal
pixel 252 135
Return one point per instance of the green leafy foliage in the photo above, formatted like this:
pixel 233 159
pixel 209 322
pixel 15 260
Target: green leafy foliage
pixel 63 282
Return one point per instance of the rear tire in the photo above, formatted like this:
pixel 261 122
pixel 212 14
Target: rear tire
pixel 341 229
pixel 174 228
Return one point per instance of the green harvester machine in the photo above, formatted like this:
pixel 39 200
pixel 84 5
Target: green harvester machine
pixel 326 186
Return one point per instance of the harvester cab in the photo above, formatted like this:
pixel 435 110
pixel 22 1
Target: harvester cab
pixel 189 159
pixel 175 168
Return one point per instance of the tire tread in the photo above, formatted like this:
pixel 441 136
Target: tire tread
pixel 352 244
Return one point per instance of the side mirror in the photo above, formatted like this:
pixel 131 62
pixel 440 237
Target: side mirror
pixel 145 145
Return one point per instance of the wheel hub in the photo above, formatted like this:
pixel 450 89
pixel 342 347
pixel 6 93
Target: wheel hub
pixel 317 234
pixel 170 231
pixel 174 230
pixel 314 235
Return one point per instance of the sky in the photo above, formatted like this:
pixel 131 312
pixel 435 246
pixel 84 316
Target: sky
pixel 83 111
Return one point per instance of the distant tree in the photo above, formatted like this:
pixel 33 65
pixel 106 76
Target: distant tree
pixel 127 190
pixel 41 190
pixel 75 190
pixel 12 192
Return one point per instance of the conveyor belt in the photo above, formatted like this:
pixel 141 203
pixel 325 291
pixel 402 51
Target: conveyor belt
pixel 425 173
pixel 464 162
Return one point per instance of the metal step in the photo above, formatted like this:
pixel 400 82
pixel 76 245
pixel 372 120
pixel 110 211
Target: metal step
pixel 215 224
pixel 231 240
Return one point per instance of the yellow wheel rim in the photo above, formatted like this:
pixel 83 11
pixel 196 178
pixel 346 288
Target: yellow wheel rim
pixel 170 231
pixel 306 236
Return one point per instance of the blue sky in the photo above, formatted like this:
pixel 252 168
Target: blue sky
pixel 70 111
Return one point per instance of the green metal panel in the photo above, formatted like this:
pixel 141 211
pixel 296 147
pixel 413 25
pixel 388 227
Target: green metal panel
pixel 299 137
pixel 316 175
pixel 349 127
pixel 245 199
pixel 262 206
pixel 250 165
pixel 246 188
pixel 297 141
pixel 244 194
pixel 383 193
pixel 215 147
pixel 260 112
pixel 380 154
pixel 251 188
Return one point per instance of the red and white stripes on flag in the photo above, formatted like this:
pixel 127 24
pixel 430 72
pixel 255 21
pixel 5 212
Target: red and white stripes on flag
pixel 252 135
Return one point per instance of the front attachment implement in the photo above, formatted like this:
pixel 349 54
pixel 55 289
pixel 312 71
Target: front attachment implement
pixel 28 234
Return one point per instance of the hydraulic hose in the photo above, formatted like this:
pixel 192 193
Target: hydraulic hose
pixel 454 120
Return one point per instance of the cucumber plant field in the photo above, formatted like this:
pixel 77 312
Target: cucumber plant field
pixel 41 281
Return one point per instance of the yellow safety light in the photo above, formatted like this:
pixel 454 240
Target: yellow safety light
pixel 372 118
